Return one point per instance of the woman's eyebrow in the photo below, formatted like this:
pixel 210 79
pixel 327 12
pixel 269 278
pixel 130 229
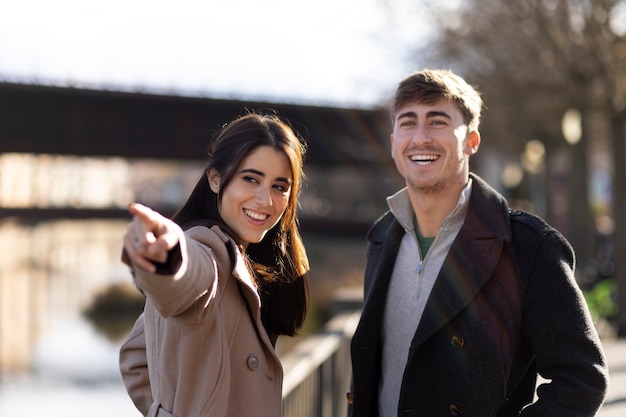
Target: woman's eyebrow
pixel 262 174
pixel 252 171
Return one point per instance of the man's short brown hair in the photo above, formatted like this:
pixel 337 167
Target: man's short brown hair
pixel 429 86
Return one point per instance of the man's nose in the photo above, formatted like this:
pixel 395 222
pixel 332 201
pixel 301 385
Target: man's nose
pixel 421 134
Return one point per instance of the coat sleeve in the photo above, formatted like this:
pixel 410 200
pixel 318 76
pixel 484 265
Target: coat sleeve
pixel 202 252
pixel 134 367
pixel 562 334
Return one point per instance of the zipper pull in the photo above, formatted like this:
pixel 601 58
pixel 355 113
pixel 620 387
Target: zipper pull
pixel 419 266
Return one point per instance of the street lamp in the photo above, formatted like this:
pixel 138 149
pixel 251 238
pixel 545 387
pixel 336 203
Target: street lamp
pixel 571 126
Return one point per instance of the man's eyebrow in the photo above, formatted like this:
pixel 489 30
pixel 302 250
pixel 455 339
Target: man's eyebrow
pixel 407 114
pixel 432 113
pixel 435 113
pixel 262 174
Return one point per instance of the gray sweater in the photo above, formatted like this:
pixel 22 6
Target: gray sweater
pixel 411 282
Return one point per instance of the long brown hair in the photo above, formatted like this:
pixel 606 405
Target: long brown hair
pixel 279 262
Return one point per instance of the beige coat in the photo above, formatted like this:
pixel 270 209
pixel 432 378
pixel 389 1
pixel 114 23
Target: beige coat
pixel 199 349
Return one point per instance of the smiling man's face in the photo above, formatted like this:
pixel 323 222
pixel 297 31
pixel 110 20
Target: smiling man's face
pixel 431 145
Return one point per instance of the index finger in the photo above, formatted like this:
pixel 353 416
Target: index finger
pixel 143 212
pixel 148 217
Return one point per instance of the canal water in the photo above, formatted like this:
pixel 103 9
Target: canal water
pixel 54 361
pixel 73 373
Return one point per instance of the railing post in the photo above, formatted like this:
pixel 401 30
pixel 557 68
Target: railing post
pixel 317 370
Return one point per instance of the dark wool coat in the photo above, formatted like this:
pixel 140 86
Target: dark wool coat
pixel 505 307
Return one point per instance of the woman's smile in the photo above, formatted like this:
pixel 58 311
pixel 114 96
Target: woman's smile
pixel 255 215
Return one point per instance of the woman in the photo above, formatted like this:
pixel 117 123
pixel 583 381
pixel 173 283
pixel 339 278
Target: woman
pixel 223 279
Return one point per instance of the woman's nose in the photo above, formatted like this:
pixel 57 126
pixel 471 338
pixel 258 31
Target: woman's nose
pixel 263 196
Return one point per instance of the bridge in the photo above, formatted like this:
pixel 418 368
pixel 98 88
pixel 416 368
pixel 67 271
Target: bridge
pixel 87 122
pixel 347 157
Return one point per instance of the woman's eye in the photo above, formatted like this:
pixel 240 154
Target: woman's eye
pixel 247 178
pixel 281 188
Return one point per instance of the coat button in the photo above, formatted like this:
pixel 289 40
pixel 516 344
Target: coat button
pixel 457 341
pixel 456 409
pixel 253 362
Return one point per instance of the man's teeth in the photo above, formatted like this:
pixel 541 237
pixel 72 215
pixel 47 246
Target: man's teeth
pixel 423 159
pixel 256 216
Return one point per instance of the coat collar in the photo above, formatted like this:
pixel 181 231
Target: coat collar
pixel 467 267
pixel 487 215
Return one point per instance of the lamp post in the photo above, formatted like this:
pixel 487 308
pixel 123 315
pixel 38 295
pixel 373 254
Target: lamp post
pixel 578 208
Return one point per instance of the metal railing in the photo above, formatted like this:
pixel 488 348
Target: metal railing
pixel 317 370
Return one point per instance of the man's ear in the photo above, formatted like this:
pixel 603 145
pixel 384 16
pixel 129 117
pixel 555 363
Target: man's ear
pixel 214 180
pixel 472 142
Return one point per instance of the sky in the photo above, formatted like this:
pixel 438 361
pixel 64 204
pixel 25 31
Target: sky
pixel 331 52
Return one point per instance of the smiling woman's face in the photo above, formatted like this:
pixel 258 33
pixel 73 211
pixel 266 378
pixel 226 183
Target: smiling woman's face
pixel 257 196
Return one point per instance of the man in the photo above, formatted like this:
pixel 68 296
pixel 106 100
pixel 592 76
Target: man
pixel 466 301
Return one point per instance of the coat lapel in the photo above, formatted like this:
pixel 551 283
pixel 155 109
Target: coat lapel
pixel 461 277
pixel 384 243
pixel 250 295
pixel 470 262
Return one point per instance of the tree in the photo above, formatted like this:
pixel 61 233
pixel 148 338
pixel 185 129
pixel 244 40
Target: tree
pixel 533 60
